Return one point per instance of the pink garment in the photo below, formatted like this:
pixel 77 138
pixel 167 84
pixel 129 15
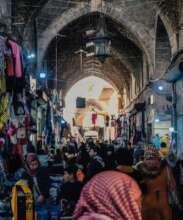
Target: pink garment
pixel 9 62
pixel 17 53
pixel 112 194
pixel 94 216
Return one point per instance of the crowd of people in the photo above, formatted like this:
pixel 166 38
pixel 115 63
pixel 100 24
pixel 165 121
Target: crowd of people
pixel 102 181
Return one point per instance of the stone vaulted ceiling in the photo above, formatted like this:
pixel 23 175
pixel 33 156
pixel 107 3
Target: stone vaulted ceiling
pixel 133 21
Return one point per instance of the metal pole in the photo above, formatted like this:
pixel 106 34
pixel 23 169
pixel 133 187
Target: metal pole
pixel 174 114
pixel 56 62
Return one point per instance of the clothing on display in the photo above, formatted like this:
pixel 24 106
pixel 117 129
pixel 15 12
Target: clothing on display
pixel 2 66
pixel 2 58
pixel 13 56
pixel 94 118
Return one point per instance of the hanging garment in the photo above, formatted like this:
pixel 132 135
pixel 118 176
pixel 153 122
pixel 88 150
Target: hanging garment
pixel 19 123
pixel 2 66
pixel 2 84
pixel 26 211
pixel 8 53
pixel 107 119
pixel 9 70
pixel 48 127
pixel 94 118
pixel 3 109
pixel 2 58
pixel 14 67
pixel 17 54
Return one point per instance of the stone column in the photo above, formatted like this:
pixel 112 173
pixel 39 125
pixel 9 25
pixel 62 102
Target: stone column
pixel 5 12
pixel 180 35
pixel 5 8
pixel 179 88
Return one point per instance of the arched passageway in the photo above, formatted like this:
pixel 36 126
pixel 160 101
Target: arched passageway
pixel 88 96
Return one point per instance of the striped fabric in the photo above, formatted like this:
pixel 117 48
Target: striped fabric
pixel 112 194
pixel 3 109
pixel 151 153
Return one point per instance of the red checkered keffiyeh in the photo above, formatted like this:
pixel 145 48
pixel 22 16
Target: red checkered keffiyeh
pixel 112 194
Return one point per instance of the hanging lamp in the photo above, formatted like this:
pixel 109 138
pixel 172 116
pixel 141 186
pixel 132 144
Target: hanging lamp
pixel 102 40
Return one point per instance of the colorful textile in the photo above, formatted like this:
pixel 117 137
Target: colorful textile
pixel 151 153
pixel 17 54
pixel 94 216
pixel 2 59
pixel 29 203
pixel 110 193
pixel 94 118
pixel 2 84
pixel 166 140
pixel 3 109
pixel 152 161
pixel 2 66
pixel 163 152
pixel 9 62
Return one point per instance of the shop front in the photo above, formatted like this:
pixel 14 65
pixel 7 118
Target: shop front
pixel 137 123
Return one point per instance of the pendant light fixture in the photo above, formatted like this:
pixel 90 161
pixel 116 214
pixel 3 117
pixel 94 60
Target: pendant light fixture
pixel 102 40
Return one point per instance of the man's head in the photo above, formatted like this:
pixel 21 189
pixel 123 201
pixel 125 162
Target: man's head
pixel 70 174
pixel 110 150
pixel 34 165
pixel 93 151
pixel 32 162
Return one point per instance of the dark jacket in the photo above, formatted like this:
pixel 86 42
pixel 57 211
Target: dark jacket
pixel 71 191
pixel 43 180
pixel 95 166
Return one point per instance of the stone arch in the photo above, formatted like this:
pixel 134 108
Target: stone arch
pixel 143 37
pixel 162 48
pixel 170 30
pixel 74 80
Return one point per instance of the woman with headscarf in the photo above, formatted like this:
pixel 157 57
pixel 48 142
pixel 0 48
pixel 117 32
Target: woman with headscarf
pixel 155 174
pixel 109 195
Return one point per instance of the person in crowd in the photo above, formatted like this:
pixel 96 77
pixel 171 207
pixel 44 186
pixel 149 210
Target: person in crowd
pixel 129 145
pixel 80 174
pixel 37 178
pixel 102 149
pixel 83 156
pixel 138 152
pixel 3 169
pixel 30 147
pixel 73 142
pixel 58 156
pixel 71 155
pixel 109 159
pixel 110 195
pixel 155 174
pixel 156 141
pixel 166 140
pixel 178 174
pixel 96 163
pixel 124 161
pixel 71 189
pixel 51 156
pixel 163 150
